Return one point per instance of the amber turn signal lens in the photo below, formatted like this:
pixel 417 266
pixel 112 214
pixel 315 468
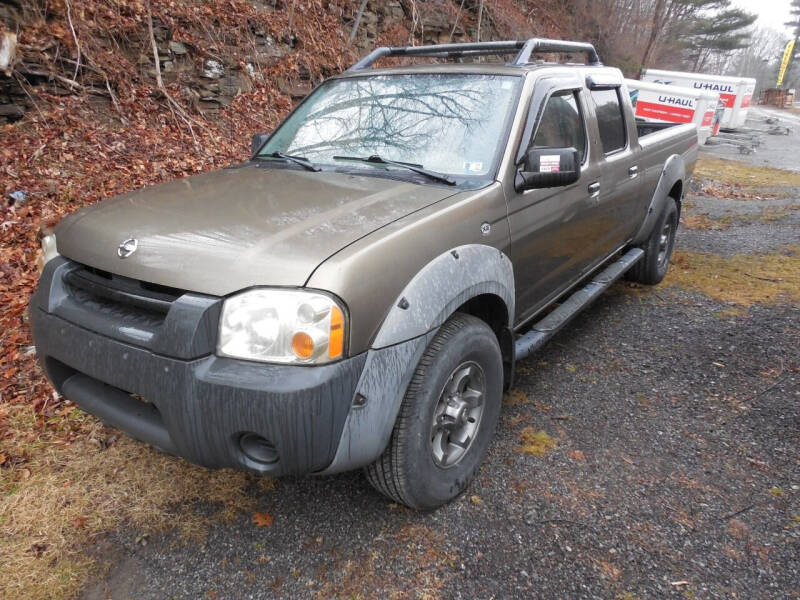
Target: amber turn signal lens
pixel 302 345
pixel 336 340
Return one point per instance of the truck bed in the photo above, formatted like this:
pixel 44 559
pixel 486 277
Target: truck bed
pixel 644 128
pixel 659 142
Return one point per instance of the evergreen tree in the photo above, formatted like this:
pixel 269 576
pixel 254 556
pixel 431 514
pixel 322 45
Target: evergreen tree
pixel 718 33
pixel 696 29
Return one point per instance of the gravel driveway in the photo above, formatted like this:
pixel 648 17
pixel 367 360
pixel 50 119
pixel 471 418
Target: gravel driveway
pixel 675 472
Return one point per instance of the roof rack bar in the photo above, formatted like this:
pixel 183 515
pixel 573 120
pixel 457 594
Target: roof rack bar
pixel 439 50
pixel 524 49
pixel 545 45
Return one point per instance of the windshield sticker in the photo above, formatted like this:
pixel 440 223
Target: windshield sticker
pixel 549 163
pixel 473 167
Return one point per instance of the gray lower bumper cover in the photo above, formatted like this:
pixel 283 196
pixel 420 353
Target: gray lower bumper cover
pixel 198 409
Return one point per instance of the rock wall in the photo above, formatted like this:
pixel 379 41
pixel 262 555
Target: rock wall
pixel 211 62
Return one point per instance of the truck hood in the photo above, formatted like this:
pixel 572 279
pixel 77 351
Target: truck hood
pixel 227 230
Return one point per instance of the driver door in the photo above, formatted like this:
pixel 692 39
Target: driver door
pixel 553 230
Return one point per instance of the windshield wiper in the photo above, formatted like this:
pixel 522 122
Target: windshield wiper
pixel 377 160
pixel 299 160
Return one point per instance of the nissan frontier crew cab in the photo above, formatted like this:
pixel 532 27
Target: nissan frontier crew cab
pixel 356 294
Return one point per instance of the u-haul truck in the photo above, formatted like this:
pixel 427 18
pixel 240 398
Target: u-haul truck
pixel 661 103
pixel 735 92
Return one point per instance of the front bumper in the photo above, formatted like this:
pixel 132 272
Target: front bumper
pixel 200 407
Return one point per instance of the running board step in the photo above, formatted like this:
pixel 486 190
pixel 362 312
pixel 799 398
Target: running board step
pixel 546 328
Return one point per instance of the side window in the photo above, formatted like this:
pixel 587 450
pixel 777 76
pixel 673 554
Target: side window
pixel 610 120
pixel 561 125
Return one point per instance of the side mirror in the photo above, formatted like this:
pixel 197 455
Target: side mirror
pixel 257 141
pixel 549 167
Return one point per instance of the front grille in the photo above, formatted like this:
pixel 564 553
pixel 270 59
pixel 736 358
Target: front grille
pixel 106 292
pixel 165 320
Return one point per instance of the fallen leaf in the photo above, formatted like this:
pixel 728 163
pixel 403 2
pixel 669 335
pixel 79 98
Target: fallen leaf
pixel 515 397
pixel 263 519
pixel 576 455
pixel 738 529
pixel 37 549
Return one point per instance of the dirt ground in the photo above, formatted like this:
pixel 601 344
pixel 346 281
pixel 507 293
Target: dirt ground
pixel 662 430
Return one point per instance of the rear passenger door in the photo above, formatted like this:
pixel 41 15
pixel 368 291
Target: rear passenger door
pixel 552 230
pixel 618 198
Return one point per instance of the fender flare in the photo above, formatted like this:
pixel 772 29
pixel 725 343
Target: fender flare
pixel 674 171
pixel 426 302
pixel 442 286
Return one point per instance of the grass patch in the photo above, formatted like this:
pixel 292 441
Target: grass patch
pixel 773 213
pixel 515 397
pixel 704 222
pixel 769 214
pixel 740 174
pixel 742 279
pixel 58 495
pixel 537 443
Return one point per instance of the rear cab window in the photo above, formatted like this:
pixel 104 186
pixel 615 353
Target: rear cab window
pixel 610 120
pixel 562 124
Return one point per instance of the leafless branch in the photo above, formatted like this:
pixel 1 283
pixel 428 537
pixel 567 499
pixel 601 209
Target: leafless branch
pixel 455 22
pixel 480 18
pixel 74 37
pixel 359 14
pixel 175 108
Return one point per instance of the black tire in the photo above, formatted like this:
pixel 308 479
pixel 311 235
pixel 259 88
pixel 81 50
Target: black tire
pixel 409 470
pixel 652 267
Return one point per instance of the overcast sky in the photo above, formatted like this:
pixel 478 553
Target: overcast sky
pixel 771 13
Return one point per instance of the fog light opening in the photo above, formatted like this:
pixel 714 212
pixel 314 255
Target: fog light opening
pixel 258 449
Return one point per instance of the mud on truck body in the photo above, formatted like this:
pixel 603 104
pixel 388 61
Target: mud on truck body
pixel 356 294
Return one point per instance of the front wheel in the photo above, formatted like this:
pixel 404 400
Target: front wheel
pixel 447 418
pixel 652 267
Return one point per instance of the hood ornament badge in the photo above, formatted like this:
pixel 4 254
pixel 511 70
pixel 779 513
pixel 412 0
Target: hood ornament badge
pixel 128 247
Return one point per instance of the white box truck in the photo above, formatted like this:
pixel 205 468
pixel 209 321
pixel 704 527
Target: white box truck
pixel 735 92
pixel 659 103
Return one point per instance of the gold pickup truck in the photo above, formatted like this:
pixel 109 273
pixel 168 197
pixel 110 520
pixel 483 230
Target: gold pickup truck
pixel 356 294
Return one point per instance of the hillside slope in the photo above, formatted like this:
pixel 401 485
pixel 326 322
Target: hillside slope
pixel 98 97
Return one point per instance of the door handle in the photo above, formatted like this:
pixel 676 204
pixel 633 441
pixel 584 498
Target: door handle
pixel 633 171
pixel 594 189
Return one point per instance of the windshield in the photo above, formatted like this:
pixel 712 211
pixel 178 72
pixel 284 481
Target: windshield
pixel 449 123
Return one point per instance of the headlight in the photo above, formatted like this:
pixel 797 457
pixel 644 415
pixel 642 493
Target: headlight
pixel 282 326
pixel 49 251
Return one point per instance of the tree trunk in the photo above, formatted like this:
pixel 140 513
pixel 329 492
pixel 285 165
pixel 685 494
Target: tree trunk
pixel 655 32
pixel 357 21
pixel 480 18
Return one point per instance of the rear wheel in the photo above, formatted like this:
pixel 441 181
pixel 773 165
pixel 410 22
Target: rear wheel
pixel 652 267
pixel 447 418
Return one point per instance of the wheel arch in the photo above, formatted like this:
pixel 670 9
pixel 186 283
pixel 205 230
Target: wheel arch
pixel 676 193
pixel 492 310
pixel 451 281
pixel 670 186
